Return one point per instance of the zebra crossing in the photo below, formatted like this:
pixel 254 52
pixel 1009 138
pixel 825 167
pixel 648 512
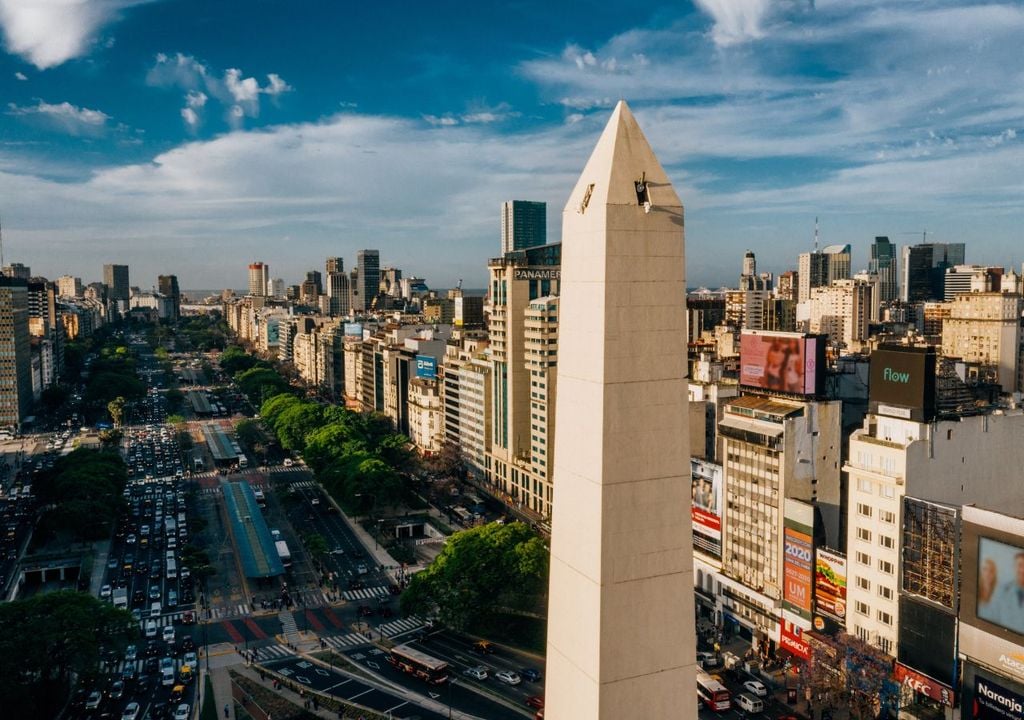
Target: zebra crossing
pixel 303 483
pixel 163 620
pixel 366 593
pixel 401 627
pixel 273 652
pixel 138 665
pixel 344 641
pixel 226 611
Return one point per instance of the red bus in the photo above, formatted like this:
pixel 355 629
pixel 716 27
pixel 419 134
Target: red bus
pixel 712 693
pixel 419 664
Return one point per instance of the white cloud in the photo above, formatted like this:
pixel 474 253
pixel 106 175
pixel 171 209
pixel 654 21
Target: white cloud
pixel 48 33
pixel 736 21
pixel 191 117
pixel 239 94
pixel 64 116
pixel 20 76
pixel 195 99
pixel 441 120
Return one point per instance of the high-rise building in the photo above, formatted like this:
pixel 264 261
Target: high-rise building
pixel 621 639
pixel 819 269
pixel 275 288
pixel 961 279
pixel 339 293
pixel 17 270
pixel 168 287
pixel 986 330
pixel 524 224
pixel 334 264
pixel 69 287
pixel 115 277
pixel 15 353
pixel 842 311
pixel 883 263
pixel 367 280
pixel 259 276
pixel 924 270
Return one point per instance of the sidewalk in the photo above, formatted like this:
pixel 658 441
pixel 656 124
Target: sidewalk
pixel 378 553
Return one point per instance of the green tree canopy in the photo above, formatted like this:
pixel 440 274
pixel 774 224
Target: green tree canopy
pixel 83 492
pixel 46 640
pixel 260 383
pixel 480 573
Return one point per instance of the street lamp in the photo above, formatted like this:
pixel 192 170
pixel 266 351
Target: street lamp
pixel 451 683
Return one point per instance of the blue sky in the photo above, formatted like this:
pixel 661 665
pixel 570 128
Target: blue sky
pixel 193 137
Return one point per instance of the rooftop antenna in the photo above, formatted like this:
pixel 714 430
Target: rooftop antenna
pixel 815 233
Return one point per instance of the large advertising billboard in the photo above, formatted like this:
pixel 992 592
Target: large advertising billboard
pixel 1000 583
pixel 902 382
pixel 830 584
pixel 706 506
pixel 783 362
pixel 354 330
pixel 992 701
pixel 797 569
pixel 426 367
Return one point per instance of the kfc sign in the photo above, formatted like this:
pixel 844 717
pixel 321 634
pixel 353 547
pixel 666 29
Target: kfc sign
pixel 923 684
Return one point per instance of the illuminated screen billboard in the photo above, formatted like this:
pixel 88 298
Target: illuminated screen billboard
pixel 783 362
pixel 1000 582
pixel 902 382
pixel 354 330
pixel 830 584
pixel 706 506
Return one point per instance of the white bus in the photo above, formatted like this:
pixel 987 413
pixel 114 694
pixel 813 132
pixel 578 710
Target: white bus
pixel 284 553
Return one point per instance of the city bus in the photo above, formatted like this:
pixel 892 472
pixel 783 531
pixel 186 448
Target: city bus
pixel 712 693
pixel 284 553
pixel 261 499
pixel 419 664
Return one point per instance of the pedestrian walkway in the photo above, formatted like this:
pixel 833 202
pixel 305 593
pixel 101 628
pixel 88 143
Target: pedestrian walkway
pixel 273 652
pixel 288 627
pixel 366 593
pixel 226 611
pixel 401 627
pixel 343 641
pixel 303 483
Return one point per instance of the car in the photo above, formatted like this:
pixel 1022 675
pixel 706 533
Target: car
pixel 756 687
pixel 182 712
pixel 482 647
pixel 190 658
pixel 158 711
pixel 168 634
pixel 105 592
pixel 509 677
pixel 94 700
pixel 154 592
pixel 128 674
pixel 150 628
pixel 130 653
pixel 172 598
pixel 365 610
pixel 151 665
pixel 188 618
pixel 131 539
pixel 113 564
pixel 530 674
pixel 535 701
pixel 479 672
pixel 362 569
pixel 131 711
pixel 116 691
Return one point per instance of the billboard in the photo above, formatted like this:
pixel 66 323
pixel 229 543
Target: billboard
pixel 830 584
pixel 783 362
pixel 992 701
pixel 923 684
pixel 354 330
pixel 426 367
pixel 1000 584
pixel 902 382
pixel 797 569
pixel 791 639
pixel 927 639
pixel 706 506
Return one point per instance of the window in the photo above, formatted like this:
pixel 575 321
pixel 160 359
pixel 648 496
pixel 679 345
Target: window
pixel 885 591
pixel 864 534
pixel 864 510
pixel 862 608
pixel 887 491
pixel 865 485
pixel 884 617
pixel 887 516
pixel 885 566
pixel 863 558
pixel 886 541
pixel 863 583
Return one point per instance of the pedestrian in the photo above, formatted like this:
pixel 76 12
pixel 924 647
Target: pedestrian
pixel 227 712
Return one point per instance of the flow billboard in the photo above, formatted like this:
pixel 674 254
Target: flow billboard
pixel 902 382
pixel 791 363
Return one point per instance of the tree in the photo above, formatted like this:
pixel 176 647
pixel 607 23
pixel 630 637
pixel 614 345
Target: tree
pixel 481 573
pixel 53 397
pixel 846 671
pixel 174 398
pixel 260 383
pixel 48 639
pixel 83 493
pixel 116 409
pixel 316 546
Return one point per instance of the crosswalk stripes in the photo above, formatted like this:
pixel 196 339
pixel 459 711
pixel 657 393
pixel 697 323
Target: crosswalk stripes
pixel 304 484
pixel 400 627
pixel 288 626
pixel 211 491
pixel 229 611
pixel 162 621
pixel 349 640
pixel 272 652
pixel 366 593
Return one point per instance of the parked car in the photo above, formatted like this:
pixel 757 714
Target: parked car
pixel 756 687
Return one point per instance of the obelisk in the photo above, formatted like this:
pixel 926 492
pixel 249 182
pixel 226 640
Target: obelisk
pixel 621 636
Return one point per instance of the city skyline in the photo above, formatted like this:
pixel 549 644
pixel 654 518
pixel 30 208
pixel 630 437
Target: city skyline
pixel 142 133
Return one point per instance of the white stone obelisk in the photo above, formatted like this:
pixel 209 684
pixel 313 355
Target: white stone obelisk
pixel 621 636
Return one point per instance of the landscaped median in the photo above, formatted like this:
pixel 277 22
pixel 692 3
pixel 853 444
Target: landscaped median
pixel 261 700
